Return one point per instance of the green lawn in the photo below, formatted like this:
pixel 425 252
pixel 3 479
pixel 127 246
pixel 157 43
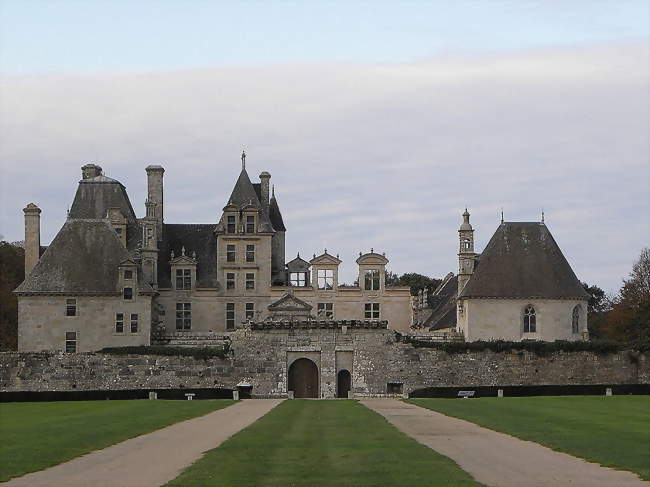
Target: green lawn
pixel 612 431
pixel 37 435
pixel 322 443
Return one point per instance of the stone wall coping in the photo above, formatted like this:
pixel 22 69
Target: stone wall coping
pixel 315 324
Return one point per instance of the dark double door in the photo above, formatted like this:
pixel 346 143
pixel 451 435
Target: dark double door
pixel 303 379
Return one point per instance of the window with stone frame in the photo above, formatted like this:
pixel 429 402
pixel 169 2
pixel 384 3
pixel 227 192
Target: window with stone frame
pixel 231 225
pixel 71 342
pixel 575 320
pixel 325 310
pixel 230 316
pixel 231 253
pixel 250 253
pixel 183 279
pixel 325 279
pixel 530 319
pixel 230 280
pixel 371 311
pixel 119 322
pixel 250 311
pixel 298 279
pixel 372 280
pixel 71 307
pixel 128 274
pixel 250 280
pixel 183 316
pixel 134 322
pixel 250 224
pixel 127 293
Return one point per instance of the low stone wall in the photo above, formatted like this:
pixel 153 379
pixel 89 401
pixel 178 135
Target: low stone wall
pixel 262 358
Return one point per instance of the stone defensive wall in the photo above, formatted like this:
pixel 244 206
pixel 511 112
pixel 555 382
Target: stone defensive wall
pixel 261 360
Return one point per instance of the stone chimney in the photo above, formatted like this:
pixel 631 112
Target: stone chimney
pixel 90 171
pixel 155 193
pixel 264 187
pixel 32 236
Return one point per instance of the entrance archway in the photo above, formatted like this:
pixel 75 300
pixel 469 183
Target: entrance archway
pixel 343 383
pixel 303 378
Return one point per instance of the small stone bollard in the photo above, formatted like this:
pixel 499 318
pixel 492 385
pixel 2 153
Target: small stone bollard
pixel 189 396
pixel 235 395
pixel 608 391
pixel 290 394
pixel 153 395
pixel 350 395
pixel 500 393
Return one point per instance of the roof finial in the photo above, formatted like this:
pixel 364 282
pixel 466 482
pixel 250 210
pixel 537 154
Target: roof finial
pixel 542 215
pixel 183 250
pixel 501 214
pixel 273 190
pixel 243 160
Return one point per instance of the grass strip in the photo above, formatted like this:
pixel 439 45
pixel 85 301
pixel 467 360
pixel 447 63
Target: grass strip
pixel 612 431
pixel 38 435
pixel 322 443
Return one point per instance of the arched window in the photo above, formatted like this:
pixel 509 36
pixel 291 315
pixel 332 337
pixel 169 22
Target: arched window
pixel 530 320
pixel 575 320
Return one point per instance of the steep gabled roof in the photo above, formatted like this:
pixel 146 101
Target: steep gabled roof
pixel 197 238
pixel 96 195
pixel 243 195
pixel 443 304
pixel 83 258
pixel 276 216
pixel 522 260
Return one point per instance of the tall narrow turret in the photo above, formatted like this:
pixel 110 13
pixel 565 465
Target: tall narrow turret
pixel 466 253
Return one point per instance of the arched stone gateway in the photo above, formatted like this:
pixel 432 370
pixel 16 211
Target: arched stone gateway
pixel 303 378
pixel 343 383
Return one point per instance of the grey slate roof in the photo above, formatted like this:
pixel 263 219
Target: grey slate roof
pixel 83 258
pixel 276 216
pixel 443 305
pixel 244 194
pixel 522 260
pixel 197 238
pixel 96 195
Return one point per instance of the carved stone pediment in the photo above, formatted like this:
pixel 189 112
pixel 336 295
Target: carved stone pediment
pixel 289 302
pixel 325 259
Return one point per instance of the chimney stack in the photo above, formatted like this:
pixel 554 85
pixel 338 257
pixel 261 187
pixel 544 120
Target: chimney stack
pixel 32 236
pixel 90 171
pixel 155 193
pixel 264 187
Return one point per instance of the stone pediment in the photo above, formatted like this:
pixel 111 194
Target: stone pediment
pixel 183 259
pixel 128 263
pixel 372 258
pixel 325 259
pixel 289 302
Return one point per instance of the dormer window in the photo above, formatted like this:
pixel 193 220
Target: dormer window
pixel 127 293
pixel 298 279
pixel 250 224
pixel 325 279
pixel 372 280
pixel 128 275
pixel 183 279
pixel 231 226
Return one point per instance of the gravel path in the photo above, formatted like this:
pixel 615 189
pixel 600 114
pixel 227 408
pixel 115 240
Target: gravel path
pixel 153 459
pixel 496 459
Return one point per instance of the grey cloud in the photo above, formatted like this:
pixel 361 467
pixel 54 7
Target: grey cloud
pixel 382 156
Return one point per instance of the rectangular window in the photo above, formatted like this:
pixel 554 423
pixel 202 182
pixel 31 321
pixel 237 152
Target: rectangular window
pixel 250 253
pixel 134 322
pixel 250 224
pixel 325 279
pixel 71 342
pixel 183 279
pixel 230 253
pixel 372 280
pixel 326 310
pixel 127 293
pixel 230 316
pixel 298 279
pixel 371 311
pixel 183 316
pixel 250 280
pixel 250 311
pixel 230 280
pixel 128 275
pixel 71 307
pixel 232 224
pixel 119 322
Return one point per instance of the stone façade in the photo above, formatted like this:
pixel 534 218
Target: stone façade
pixel 262 358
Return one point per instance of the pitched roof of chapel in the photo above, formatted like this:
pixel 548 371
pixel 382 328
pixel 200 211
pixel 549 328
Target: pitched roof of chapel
pixel 83 258
pixel 522 260
pixel 443 304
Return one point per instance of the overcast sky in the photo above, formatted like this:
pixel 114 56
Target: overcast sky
pixel 378 121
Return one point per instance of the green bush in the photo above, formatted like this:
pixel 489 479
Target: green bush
pixel 204 353
pixel 537 347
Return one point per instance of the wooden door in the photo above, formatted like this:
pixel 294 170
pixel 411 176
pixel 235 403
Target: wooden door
pixel 303 379
pixel 343 383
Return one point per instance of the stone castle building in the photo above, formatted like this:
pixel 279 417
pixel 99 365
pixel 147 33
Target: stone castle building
pixel 111 279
